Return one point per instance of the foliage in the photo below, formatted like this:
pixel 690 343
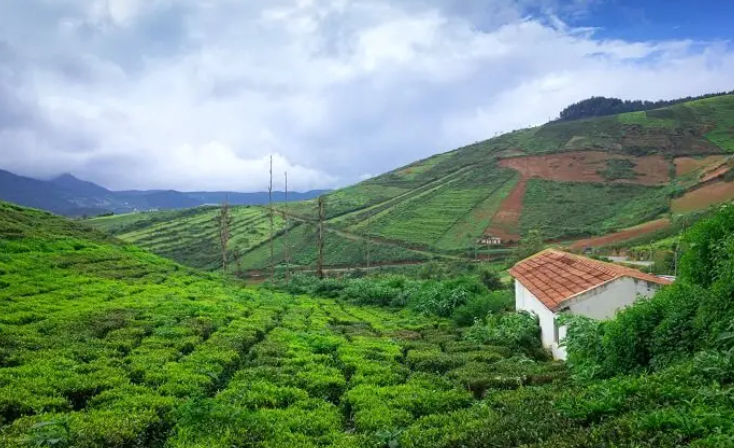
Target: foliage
pixel 464 297
pixel 599 106
pixel 105 345
pixel 618 169
pixel 682 319
pixel 581 209
pixel 520 330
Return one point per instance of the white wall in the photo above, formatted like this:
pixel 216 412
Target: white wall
pixel 604 302
pixel 525 300
pixel 601 303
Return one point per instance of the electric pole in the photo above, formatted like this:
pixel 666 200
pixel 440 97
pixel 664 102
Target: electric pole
pixel 320 268
pixel 272 223
pixel 287 242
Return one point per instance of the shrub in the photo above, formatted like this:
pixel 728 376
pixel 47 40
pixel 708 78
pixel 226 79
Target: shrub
pixel 520 330
pixel 479 307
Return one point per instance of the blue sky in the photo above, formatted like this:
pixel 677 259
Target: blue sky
pixel 197 94
pixel 708 20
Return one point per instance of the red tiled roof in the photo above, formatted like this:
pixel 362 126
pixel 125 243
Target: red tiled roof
pixel 554 276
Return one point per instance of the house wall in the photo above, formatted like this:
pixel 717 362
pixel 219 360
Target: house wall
pixel 525 300
pixel 601 303
pixel 604 301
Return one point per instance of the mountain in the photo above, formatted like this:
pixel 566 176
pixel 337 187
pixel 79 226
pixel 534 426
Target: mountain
pixel 68 195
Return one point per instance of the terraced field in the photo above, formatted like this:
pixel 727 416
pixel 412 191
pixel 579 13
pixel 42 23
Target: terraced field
pixel 570 180
pixel 191 236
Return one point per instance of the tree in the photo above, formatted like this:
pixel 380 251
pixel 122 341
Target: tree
pixel 320 268
pixel 530 244
pixel 224 223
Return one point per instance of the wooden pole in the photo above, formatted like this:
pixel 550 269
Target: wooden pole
pixel 272 223
pixel 320 268
pixel 287 242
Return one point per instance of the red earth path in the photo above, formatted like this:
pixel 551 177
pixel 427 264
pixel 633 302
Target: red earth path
pixel 622 236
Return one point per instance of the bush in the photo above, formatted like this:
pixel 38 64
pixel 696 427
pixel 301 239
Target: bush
pixel 479 307
pixel 520 330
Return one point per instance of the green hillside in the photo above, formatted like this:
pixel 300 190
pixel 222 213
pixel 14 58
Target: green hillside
pixel 569 180
pixel 105 345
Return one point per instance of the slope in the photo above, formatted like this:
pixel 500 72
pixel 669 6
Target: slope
pixel 102 344
pixel 191 237
pixel 567 179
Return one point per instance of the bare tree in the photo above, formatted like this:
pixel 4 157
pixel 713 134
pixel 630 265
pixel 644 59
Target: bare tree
pixel 287 241
pixel 224 222
pixel 272 222
pixel 320 268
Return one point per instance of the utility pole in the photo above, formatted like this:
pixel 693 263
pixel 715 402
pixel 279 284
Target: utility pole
pixel 224 220
pixel 287 242
pixel 320 268
pixel 272 223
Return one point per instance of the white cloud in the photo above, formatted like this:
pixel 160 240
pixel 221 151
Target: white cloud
pixel 197 94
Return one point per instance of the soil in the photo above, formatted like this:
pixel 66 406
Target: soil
pixel 624 235
pixel 701 198
pixel 685 165
pixel 584 167
pixel 506 220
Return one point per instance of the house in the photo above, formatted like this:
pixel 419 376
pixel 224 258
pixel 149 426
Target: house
pixel 553 282
pixel 488 240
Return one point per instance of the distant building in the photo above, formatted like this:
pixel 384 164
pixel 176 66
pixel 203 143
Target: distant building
pixel 553 282
pixel 487 240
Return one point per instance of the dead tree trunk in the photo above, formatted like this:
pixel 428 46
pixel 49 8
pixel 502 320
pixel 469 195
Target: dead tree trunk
pixel 272 222
pixel 287 241
pixel 224 220
pixel 320 268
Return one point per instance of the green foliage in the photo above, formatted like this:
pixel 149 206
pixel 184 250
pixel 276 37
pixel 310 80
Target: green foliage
pixel 689 316
pixel 581 209
pixel 104 345
pixel 519 330
pixel 618 169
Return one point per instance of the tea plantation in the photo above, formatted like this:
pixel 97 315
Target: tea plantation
pixel 105 345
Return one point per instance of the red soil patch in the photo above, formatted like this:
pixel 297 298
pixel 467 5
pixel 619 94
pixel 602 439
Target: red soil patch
pixel 505 221
pixel 584 167
pixel 624 235
pixel 705 196
pixel 715 172
pixel 685 165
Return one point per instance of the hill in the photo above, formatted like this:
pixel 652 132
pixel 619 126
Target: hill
pixel 104 345
pixel 69 196
pixel 569 180
pixel 591 182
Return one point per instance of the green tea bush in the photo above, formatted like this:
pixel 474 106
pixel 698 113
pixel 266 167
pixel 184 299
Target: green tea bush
pixel 519 330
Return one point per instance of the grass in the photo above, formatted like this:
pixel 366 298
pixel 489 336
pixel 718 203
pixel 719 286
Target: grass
pixel 617 169
pixel 717 112
pixel 580 209
pixel 645 119
pixel 339 250
pixel 191 236
pixel 426 219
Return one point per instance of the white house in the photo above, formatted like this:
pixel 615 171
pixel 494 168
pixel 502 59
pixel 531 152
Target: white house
pixel 554 282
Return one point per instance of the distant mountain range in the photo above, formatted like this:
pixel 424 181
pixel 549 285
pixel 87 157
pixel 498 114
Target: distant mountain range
pixel 67 195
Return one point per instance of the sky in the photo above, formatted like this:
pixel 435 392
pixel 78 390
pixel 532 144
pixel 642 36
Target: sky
pixel 197 94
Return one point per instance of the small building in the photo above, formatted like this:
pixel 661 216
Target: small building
pixel 554 282
pixel 487 240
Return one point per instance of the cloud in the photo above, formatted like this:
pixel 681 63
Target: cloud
pixel 197 94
